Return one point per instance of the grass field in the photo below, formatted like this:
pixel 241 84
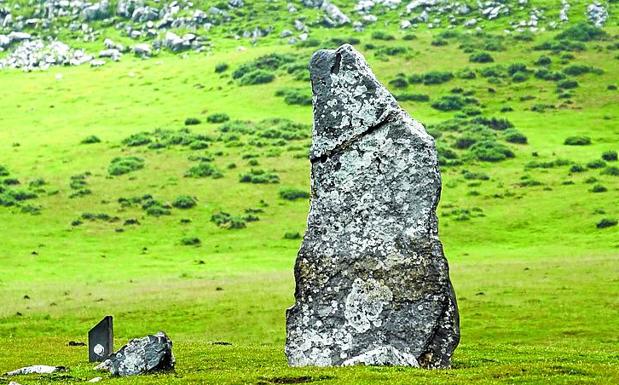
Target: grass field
pixel 537 281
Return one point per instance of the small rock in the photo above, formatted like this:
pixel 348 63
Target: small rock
pixel 36 369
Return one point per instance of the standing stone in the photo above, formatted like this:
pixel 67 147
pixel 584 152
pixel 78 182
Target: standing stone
pixel 372 282
pixel 101 340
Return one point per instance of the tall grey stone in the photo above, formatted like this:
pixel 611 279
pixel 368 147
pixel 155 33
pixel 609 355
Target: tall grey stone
pixel 372 282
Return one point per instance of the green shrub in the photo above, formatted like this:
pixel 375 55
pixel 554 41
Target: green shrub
pixel 582 32
pixel 567 84
pixel 543 61
pixel 481 57
pixel 406 97
pixel 611 170
pixel 579 69
pixel 257 176
pixel 295 96
pixel 439 42
pixel 409 37
pixel 559 46
pixel 466 74
pixel 514 68
pixel 92 139
pixel 398 82
pixel 598 163
pixel 192 121
pixel 514 136
pixel 203 170
pixel 221 67
pixel 124 165
pixel 391 51
pixel 381 35
pixel 520 77
pixel 465 142
pixel 191 241
pixel 291 235
pixel 431 78
pixel 450 103
pixel 490 151
pixel 598 188
pixel 184 202
pixel 4 171
pixel 227 221
pixel 577 141
pixel 545 74
pixel 474 175
pixel 609 156
pixel 11 182
pixel 606 222
pixel 291 193
pixel 577 168
pixel 498 124
pixel 139 139
pixel 219 117
pixel 257 77
pixel 263 64
pixel 157 210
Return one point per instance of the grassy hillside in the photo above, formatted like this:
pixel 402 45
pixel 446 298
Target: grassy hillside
pixel 528 221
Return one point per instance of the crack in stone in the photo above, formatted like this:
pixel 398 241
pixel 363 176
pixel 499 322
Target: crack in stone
pixel 340 148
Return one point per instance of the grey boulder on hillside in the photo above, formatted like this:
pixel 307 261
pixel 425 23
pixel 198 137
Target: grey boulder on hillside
pixel 372 282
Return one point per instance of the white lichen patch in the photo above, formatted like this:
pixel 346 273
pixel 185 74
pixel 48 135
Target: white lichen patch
pixel 365 303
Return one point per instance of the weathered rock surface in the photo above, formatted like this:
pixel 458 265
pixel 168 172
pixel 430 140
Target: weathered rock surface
pixel 372 282
pixel 141 355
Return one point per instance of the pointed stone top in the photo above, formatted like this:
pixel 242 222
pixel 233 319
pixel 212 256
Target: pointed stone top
pixel 348 99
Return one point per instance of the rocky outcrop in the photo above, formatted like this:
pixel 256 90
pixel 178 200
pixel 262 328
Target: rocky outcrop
pixel 141 355
pixel 372 283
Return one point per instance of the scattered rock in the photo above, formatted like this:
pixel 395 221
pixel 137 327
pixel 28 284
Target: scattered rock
pixel 372 282
pixel 142 50
pixel 141 355
pixel 597 14
pixel 36 369
pixel 334 16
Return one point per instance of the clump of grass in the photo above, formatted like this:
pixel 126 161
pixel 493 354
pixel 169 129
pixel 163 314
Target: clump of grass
pixel 191 241
pixel 292 193
pixel 481 57
pixel 292 235
pixel 295 96
pixel 258 176
pixel 598 163
pixel 609 156
pixel 125 165
pixel 406 97
pixel 92 139
pixel 606 222
pixel 184 202
pixel 490 151
pixel 4 171
pixel 577 168
pixel 577 141
pixel 204 169
pixel 221 67
pixel 543 61
pixel 598 188
pixel 582 32
pixel 139 139
pixel 227 221
pixel 567 84
pixel 514 136
pixel 257 77
pixel 399 82
pixel 611 170
pixel 431 78
pixel 192 121
pixel 469 175
pixel 219 117
pixel 382 35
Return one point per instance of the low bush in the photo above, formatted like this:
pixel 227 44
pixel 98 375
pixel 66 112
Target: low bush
pixel 398 82
pixel 125 165
pixel 218 117
pixel 611 170
pixel 191 241
pixel 582 32
pixel 382 35
pixel 204 170
pixel 291 235
pixel 598 163
pixel 598 188
pixel 295 96
pixel 92 139
pixel 490 151
pixel 184 202
pixel 577 141
pixel 469 175
pixel 221 67
pixel 580 69
pixel 257 77
pixel 431 78
pixel 577 168
pixel 514 136
pixel 227 221
pixel 481 57
pixel 609 156
pixel 543 61
pixel 257 176
pixel 291 193
pixel 406 97
pixel 606 222
pixel 4 171
pixel 452 102
pixel 498 124
pixel 139 139
pixel 567 84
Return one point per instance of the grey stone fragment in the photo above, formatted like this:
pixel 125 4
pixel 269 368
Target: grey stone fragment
pixel 35 369
pixel 372 282
pixel 141 355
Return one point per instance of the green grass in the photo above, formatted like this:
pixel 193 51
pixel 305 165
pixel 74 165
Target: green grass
pixel 536 280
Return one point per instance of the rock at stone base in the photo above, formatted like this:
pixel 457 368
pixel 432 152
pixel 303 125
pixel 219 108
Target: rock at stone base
pixel 36 369
pixel 141 355
pixel 372 282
